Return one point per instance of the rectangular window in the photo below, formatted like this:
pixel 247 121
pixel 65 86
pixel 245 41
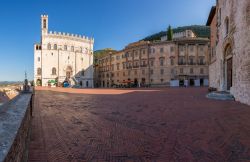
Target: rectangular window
pixel 181 48
pixel 191 61
pixel 118 66
pixel 191 48
pixel 152 63
pixel 191 71
pixel 161 62
pixel 181 70
pixel 162 71
pixel 201 48
pixel 44 23
pixel 201 71
pixel 181 61
pixel 161 50
pixel 151 71
pixel 143 72
pixel 124 65
pixel 172 61
pixel 172 71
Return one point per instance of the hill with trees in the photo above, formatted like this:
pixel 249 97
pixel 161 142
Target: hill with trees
pixel 200 30
pixel 102 53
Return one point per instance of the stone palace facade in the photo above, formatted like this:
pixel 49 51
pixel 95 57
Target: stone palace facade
pixel 182 61
pixel 229 68
pixel 63 59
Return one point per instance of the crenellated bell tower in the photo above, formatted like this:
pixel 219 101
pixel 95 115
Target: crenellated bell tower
pixel 44 24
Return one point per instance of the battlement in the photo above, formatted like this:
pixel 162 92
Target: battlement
pixel 46 16
pixel 72 36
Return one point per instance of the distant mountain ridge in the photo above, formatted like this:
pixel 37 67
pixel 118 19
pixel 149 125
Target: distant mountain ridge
pixel 10 82
pixel 200 30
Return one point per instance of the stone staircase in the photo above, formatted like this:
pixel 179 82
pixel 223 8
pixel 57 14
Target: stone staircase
pixel 220 95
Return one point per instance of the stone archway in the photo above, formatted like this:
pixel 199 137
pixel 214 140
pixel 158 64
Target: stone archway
pixel 39 82
pixel 228 57
pixel 69 72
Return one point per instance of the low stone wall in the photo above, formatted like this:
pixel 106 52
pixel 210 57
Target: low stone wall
pixel 15 120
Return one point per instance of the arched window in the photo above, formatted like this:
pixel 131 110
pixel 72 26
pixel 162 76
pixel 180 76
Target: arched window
pixel 49 46
pixel 65 48
pixel 72 49
pixel 44 23
pixel 53 71
pixel 226 26
pixel 39 71
pixel 55 46
pixel 38 59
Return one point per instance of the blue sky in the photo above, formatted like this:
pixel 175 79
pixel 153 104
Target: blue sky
pixel 113 23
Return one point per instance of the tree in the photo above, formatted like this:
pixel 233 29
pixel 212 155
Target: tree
pixel 169 33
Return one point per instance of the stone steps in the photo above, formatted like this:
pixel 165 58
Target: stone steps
pixel 220 95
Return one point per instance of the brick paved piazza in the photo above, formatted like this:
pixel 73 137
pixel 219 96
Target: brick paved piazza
pixel 138 125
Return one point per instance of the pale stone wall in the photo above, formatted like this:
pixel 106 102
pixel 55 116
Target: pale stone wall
pixel 80 58
pixel 238 14
pixel 241 58
pixel 214 75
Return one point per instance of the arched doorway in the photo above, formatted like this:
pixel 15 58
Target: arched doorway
pixel 38 82
pixel 228 67
pixel 135 82
pixel 69 72
pixel 191 82
pixel 87 84
pixel 107 84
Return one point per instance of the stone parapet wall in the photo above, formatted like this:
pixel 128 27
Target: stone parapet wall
pixel 15 119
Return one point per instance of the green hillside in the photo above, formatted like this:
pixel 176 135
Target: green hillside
pixel 101 53
pixel 199 30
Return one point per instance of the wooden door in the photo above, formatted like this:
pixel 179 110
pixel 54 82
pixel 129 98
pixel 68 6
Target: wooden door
pixel 229 73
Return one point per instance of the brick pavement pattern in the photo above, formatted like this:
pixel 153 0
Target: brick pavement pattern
pixel 136 125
